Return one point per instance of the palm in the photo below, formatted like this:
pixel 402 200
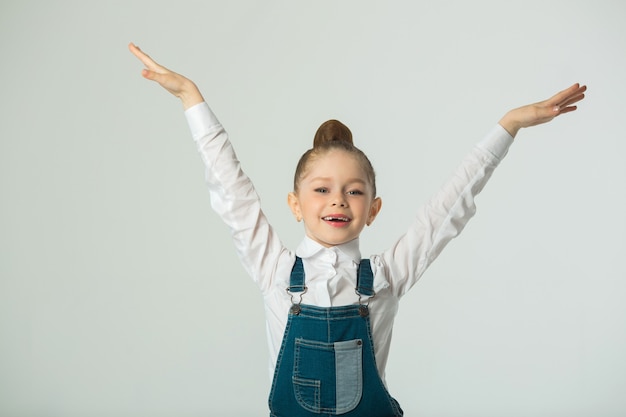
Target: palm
pixel 176 84
pixel 543 111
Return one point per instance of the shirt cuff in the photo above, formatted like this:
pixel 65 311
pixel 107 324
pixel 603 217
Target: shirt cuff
pixel 201 120
pixel 497 142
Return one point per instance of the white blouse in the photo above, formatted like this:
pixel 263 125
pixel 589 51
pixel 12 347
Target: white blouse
pixel 331 272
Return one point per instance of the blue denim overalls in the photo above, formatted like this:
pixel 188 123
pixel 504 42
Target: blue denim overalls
pixel 326 365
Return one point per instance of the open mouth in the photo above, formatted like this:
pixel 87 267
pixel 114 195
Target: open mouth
pixel 336 219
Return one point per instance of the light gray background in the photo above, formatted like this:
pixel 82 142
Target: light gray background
pixel 120 294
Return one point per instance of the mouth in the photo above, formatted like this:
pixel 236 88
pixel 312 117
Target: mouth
pixel 336 219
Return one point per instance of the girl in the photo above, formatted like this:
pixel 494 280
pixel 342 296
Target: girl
pixel 329 312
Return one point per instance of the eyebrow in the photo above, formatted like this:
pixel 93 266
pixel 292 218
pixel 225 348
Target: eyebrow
pixel 350 181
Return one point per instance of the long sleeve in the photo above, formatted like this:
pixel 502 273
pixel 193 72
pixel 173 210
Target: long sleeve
pixel 443 217
pixel 234 198
pixel 267 261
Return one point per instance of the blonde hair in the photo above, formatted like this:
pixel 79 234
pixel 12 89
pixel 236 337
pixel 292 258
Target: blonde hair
pixel 334 135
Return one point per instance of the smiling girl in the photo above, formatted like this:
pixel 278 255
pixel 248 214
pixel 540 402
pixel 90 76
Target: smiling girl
pixel 329 311
pixel 334 188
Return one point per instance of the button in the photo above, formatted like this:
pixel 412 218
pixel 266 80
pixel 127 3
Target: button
pixel 295 309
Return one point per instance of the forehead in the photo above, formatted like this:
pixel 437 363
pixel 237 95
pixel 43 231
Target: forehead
pixel 335 162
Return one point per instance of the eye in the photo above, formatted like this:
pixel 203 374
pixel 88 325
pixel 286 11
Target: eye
pixel 322 190
pixel 355 192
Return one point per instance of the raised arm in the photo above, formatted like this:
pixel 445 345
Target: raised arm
pixel 233 196
pixel 449 210
pixel 543 111
pixel 178 85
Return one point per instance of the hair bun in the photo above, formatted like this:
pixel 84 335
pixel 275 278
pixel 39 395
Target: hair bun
pixel 332 130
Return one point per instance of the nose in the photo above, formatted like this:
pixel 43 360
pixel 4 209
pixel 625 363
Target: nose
pixel 339 200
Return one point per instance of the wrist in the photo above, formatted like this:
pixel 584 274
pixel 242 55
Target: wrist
pixel 510 124
pixel 190 95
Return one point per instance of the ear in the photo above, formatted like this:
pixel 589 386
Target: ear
pixel 377 204
pixel 294 205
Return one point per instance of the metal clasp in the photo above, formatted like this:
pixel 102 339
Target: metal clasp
pixel 364 308
pixel 295 307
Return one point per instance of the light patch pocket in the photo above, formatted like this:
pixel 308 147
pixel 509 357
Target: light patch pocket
pixel 328 377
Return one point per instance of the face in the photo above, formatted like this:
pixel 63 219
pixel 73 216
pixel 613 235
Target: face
pixel 334 199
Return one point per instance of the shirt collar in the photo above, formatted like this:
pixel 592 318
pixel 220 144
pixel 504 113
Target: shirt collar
pixel 308 248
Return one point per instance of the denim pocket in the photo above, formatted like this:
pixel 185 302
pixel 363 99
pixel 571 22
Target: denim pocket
pixel 328 377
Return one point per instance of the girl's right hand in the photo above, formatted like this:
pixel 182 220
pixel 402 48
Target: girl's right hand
pixel 181 87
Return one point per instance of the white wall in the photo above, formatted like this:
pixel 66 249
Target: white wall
pixel 120 294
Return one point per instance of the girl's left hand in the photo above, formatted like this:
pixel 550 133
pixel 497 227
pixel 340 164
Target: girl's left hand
pixel 543 111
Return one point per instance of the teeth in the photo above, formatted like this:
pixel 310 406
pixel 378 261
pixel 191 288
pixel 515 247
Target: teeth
pixel 336 219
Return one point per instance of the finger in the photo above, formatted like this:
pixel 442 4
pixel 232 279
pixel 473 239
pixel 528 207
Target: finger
pixel 576 96
pixel 152 75
pixel 571 100
pixel 144 58
pixel 564 96
pixel 567 110
pixel 137 52
pixel 147 74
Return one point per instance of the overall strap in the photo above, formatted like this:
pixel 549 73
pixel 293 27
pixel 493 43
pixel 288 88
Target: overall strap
pixel 296 281
pixel 365 279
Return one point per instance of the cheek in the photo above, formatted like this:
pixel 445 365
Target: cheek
pixel 361 208
pixel 308 204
